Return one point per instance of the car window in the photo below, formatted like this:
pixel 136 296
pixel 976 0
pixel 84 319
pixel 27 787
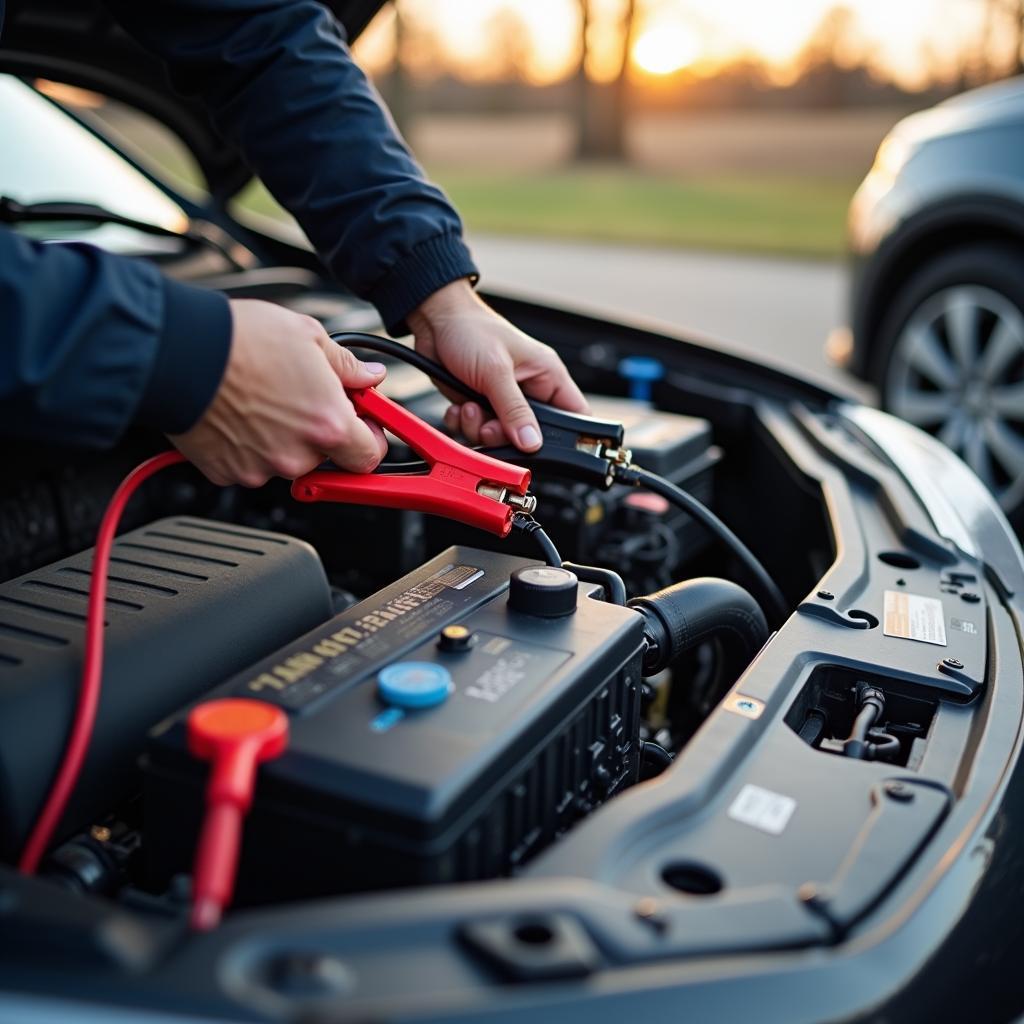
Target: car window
pixel 47 156
pixel 145 140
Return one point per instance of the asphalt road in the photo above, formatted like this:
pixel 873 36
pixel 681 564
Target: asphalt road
pixel 782 309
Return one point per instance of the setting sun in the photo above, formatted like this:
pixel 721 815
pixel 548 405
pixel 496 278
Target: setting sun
pixel 665 48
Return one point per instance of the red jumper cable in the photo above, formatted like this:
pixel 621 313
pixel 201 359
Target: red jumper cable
pixel 92 666
pixel 460 483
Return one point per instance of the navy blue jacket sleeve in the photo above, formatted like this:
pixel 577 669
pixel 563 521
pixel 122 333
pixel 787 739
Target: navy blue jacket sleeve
pixel 90 342
pixel 279 81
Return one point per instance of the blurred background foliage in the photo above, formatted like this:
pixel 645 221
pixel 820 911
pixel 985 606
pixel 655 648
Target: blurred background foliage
pixel 732 124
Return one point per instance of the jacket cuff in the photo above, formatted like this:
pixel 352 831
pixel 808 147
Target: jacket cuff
pixel 430 265
pixel 191 354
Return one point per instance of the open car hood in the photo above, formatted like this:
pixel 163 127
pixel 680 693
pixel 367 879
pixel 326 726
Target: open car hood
pixel 78 42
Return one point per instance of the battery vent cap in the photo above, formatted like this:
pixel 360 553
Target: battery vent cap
pixel 544 590
pixel 414 684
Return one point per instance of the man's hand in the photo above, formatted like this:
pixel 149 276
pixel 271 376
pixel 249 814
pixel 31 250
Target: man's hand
pixel 486 352
pixel 281 407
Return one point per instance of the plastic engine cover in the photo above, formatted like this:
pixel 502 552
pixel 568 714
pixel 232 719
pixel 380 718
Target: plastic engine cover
pixel 189 602
pixel 415 756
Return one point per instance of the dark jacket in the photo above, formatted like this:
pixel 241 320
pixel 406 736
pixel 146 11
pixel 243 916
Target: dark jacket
pixel 90 341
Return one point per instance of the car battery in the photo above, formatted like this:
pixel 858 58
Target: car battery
pixel 445 729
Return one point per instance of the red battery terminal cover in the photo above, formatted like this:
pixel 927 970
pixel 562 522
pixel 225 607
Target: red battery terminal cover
pixel 460 483
pixel 235 735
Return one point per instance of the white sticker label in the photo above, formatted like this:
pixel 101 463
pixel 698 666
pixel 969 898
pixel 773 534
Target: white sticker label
pixel 913 617
pixel 763 809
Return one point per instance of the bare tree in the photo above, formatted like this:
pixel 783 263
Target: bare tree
pixel 510 45
pixel 832 50
pixel 1002 16
pixel 585 145
pixel 1017 12
pixel 399 94
pixel 603 108
pixel 980 60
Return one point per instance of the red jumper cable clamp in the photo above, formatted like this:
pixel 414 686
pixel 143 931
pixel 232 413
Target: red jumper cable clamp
pixel 460 483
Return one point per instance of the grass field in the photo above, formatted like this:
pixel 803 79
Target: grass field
pixel 785 214
pixel 741 182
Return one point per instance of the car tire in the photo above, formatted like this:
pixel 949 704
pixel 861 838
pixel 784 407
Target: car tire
pixel 950 359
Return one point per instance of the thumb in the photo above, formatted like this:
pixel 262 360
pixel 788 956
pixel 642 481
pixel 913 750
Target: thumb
pixel 350 371
pixel 513 411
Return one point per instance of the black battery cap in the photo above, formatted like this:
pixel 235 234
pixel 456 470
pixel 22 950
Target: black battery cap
pixel 543 590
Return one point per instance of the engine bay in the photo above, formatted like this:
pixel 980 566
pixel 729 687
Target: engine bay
pixel 509 770
pixel 549 715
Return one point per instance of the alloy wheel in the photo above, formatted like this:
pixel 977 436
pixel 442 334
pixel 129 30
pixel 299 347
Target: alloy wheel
pixel 957 371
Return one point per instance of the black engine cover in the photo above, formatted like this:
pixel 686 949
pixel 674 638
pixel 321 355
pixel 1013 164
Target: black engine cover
pixel 189 602
pixel 538 727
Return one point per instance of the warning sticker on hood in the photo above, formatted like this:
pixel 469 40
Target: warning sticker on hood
pixel 913 617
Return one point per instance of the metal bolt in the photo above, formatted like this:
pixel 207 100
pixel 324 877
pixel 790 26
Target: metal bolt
pixel 649 911
pixel 524 502
pixel 899 791
pixel 952 663
pixel 303 975
pixel 749 707
pixel 826 595
pixel 807 892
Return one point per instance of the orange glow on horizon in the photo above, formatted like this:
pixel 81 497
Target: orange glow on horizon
pixel 913 41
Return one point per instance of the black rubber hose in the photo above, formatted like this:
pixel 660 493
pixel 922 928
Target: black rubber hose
pixel 813 727
pixel 551 555
pixel 532 528
pixel 872 704
pixel 863 722
pixel 611 581
pixel 689 613
pixel 883 746
pixel 772 597
pixel 654 759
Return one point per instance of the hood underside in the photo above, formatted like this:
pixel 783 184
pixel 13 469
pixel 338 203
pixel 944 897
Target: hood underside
pixel 77 42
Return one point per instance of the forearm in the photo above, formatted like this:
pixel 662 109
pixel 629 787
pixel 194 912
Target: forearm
pixel 281 84
pixel 94 341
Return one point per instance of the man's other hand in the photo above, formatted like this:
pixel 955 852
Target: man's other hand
pixel 496 359
pixel 281 407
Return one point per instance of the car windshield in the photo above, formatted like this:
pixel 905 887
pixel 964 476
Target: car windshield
pixel 48 157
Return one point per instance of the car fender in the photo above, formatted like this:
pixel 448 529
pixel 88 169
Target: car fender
pixel 946 220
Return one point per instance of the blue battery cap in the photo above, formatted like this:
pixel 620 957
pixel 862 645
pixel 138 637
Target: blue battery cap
pixel 414 684
pixel 640 372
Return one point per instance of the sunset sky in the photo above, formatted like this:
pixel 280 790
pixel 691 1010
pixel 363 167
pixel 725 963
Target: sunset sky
pixel 910 40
